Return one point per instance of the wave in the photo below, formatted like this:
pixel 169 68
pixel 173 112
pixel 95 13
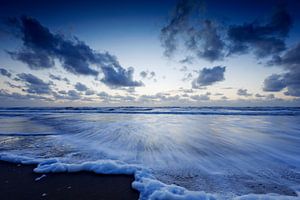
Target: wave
pixel 280 111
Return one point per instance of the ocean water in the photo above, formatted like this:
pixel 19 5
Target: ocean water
pixel 173 152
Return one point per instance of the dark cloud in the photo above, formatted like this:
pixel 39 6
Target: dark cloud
pixel 58 78
pixel 89 92
pixel 178 23
pixel 209 76
pixel 274 83
pixel 81 87
pixel 259 95
pixel 290 62
pixel 213 41
pixel 147 74
pixel 204 40
pixel 14 96
pixel 4 72
pixel 73 95
pixel 202 97
pixel 13 85
pixel 262 39
pixel 243 92
pixel 34 84
pixel 41 47
pixel 187 60
pixel 117 76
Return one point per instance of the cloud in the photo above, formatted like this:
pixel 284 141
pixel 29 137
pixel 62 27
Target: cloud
pixel 202 97
pixel 204 40
pixel 183 69
pixel 147 74
pixel 290 62
pixel 209 76
pixel 81 87
pixel 4 72
pixel 178 23
pixel 262 39
pixel 213 41
pixel 89 92
pixel 274 83
pixel 117 76
pixel 14 96
pixel 73 95
pixel 187 77
pixel 259 95
pixel 187 60
pixel 41 47
pixel 58 78
pixel 34 84
pixel 243 92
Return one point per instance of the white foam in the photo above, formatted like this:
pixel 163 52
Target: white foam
pixel 145 182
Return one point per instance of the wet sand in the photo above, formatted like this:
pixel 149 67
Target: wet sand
pixel 20 182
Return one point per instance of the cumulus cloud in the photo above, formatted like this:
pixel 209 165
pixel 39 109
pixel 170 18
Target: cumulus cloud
pixel 263 39
pixel 4 72
pixel 204 40
pixel 290 62
pixel 80 87
pixel 34 84
pixel 274 83
pixel 41 47
pixel 178 23
pixel 209 76
pixel 117 76
pixel 212 41
pixel 243 92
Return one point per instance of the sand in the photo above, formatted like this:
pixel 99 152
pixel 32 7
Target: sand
pixel 20 182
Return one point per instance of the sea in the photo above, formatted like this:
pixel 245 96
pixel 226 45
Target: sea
pixel 172 152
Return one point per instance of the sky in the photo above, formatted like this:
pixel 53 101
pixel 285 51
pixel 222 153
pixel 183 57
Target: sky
pixel 150 53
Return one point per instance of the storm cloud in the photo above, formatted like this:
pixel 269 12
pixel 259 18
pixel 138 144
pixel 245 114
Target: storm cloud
pixel 262 39
pixel 41 47
pixel 212 40
pixel 203 39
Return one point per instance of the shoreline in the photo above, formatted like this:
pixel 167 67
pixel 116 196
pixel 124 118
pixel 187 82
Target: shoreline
pixel 18 181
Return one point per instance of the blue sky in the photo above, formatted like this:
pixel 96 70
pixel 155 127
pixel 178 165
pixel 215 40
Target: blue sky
pixel 149 53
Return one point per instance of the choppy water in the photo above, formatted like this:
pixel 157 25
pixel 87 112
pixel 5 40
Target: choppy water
pixel 226 152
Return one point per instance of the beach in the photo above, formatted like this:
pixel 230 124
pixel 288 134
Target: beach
pixel 150 153
pixel 18 181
